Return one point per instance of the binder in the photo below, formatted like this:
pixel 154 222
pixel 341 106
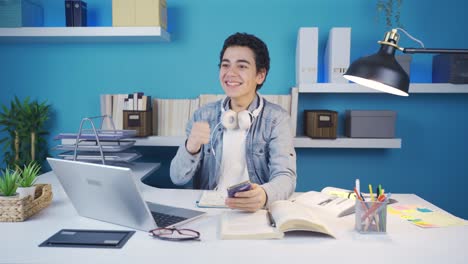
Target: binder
pixel 79 14
pixel 69 13
pixel 337 55
pixel 306 56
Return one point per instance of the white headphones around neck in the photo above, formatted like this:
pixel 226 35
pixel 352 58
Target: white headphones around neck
pixel 242 120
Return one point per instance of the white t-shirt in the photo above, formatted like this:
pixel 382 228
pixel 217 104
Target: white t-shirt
pixel 233 165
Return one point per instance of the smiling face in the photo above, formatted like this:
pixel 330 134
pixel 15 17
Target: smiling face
pixel 239 76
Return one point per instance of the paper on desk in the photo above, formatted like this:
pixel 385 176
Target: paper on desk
pixel 213 199
pixel 425 217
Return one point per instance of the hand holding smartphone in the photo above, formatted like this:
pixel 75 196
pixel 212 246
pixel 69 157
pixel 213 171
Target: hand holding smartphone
pixel 240 187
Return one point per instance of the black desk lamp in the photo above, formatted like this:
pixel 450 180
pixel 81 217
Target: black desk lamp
pixel 382 72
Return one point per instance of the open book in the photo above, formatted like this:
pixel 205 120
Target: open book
pixel 286 215
pixel 328 201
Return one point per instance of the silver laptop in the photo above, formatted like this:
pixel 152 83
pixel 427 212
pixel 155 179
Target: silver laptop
pixel 110 194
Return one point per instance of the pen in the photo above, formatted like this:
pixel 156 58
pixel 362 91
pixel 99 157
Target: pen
pixel 382 199
pixel 358 187
pixel 272 221
pixel 370 193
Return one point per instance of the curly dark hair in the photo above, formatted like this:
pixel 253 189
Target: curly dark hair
pixel 259 48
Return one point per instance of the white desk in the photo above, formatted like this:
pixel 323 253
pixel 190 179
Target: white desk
pixel 403 243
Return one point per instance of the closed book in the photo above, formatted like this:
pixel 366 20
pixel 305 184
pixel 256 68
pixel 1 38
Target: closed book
pixel 69 13
pixel 79 14
pixel 337 55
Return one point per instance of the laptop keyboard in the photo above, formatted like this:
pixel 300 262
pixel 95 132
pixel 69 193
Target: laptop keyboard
pixel 164 220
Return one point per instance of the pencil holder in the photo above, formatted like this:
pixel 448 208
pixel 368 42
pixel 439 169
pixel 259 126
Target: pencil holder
pixel 371 217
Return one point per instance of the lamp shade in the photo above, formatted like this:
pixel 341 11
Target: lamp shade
pixel 380 71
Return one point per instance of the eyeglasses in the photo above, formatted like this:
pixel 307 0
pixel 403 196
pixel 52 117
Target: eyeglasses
pixel 174 234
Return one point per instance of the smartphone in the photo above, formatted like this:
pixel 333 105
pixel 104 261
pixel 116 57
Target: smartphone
pixel 240 187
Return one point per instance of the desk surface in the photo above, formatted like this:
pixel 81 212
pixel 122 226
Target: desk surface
pixel 403 243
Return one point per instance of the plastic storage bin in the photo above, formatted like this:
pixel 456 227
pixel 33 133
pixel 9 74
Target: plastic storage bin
pixel 370 123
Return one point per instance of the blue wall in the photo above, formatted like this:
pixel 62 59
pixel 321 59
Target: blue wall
pixel 431 163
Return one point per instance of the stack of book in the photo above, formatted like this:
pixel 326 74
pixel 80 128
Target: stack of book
pixel 170 116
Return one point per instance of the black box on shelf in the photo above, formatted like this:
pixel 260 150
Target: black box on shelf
pixel 370 123
pixel 320 123
pixel 76 13
pixel 141 121
pixel 450 68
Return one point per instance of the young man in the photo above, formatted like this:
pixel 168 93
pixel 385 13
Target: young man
pixel 243 137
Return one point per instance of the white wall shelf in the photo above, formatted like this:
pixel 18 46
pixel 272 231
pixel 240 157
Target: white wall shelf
pixel 384 143
pixel 356 88
pixel 299 142
pixel 83 34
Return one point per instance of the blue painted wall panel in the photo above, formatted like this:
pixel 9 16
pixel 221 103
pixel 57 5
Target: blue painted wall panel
pixel 431 163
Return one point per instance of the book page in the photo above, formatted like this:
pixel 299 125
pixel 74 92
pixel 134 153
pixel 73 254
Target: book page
pixel 212 199
pixel 332 204
pixel 246 225
pixel 291 216
pixel 343 193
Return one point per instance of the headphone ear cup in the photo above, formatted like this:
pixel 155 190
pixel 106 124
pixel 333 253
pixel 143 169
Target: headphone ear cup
pixel 229 119
pixel 244 119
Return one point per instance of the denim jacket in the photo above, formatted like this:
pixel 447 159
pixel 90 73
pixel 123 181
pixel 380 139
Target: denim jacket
pixel 270 154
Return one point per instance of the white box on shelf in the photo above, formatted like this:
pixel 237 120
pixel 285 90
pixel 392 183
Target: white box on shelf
pixel 306 55
pixel 337 55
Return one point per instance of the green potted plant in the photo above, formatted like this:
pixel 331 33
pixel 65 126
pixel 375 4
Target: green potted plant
pixel 9 184
pixel 27 178
pixel 391 9
pixel 24 124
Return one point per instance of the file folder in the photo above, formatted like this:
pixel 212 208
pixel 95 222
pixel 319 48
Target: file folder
pixel 337 55
pixel 81 238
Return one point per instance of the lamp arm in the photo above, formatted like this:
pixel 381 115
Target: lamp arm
pixel 431 50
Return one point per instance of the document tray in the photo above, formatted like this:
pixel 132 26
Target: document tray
pixel 106 146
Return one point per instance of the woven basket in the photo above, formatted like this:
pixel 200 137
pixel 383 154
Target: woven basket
pixel 20 209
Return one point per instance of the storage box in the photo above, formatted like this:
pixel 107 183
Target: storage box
pixel 450 68
pixel 21 13
pixel 139 121
pixel 370 123
pixel 139 13
pixel 405 62
pixel 320 123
